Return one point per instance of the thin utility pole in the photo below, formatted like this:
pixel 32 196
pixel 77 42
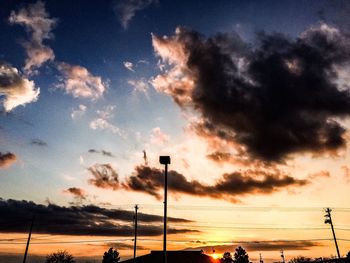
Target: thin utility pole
pixel 328 220
pixel 282 256
pixel 28 241
pixel 136 207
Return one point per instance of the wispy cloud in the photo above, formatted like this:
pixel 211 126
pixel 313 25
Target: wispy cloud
pixel 140 85
pixel 158 137
pixel 38 23
pixel 102 124
pixel 16 89
pixel 126 9
pixel 78 193
pixel 103 152
pixel 104 176
pixel 107 112
pixel 346 171
pixel 79 112
pixel 7 159
pixel 129 65
pixel 320 174
pixel 80 83
pixel 38 142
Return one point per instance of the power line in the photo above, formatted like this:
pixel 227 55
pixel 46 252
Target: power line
pixel 201 226
pixel 259 228
pixel 235 208
pixel 254 228
pixel 25 238
pixel 69 242
pixel 176 241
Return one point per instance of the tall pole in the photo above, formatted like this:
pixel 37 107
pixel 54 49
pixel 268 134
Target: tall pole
pixel 165 160
pixel 328 220
pixel 28 241
pixel 165 210
pixel 136 207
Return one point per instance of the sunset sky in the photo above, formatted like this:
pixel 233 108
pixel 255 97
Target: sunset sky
pixel 249 98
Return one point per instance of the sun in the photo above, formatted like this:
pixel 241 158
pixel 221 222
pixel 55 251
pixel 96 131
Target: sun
pixel 215 255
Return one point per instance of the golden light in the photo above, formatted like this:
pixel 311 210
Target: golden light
pixel 215 255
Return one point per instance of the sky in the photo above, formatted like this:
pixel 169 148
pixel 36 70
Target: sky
pixel 250 99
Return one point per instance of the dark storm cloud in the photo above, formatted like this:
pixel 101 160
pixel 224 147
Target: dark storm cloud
pixel 276 97
pixel 228 186
pixel 7 159
pixel 261 246
pixel 104 176
pixel 38 142
pixel 78 220
pixel 103 152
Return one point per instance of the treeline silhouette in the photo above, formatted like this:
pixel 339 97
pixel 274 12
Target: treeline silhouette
pixel 238 256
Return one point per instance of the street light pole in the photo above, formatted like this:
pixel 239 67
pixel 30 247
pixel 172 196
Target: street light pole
pixel 165 160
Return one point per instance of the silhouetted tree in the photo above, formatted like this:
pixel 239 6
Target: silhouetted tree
pixel 61 256
pixel 241 255
pixel 299 259
pixel 347 257
pixel 111 256
pixel 227 258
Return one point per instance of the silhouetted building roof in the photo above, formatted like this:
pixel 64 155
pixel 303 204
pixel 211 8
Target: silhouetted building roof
pixel 174 257
pixel 329 260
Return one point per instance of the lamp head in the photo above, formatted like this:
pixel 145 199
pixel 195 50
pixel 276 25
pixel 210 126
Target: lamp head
pixel 164 159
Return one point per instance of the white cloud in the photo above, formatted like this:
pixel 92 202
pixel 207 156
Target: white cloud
pixel 79 112
pixel 129 65
pixel 158 137
pixel 69 178
pixel 38 23
pixel 102 124
pixel 102 121
pixel 126 9
pixel 107 112
pixel 80 83
pixel 139 85
pixel 81 160
pixel 16 89
pixel 175 78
